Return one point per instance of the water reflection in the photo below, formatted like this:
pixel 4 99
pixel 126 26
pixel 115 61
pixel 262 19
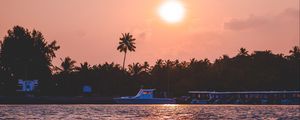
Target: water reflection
pixel 150 112
pixel 170 105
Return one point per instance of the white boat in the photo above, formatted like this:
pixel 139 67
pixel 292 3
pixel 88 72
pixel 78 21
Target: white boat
pixel 144 96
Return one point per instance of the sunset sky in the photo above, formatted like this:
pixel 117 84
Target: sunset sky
pixel 89 30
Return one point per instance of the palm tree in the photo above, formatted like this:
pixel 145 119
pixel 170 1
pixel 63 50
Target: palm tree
pixel 67 65
pixel 295 53
pixel 126 43
pixel 135 69
pixel 84 67
pixel 243 52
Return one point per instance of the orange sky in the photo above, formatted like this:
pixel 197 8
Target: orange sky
pixel 89 30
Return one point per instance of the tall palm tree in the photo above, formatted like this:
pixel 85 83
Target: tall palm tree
pixel 126 44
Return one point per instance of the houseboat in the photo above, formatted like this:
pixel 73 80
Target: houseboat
pixel 144 96
pixel 245 97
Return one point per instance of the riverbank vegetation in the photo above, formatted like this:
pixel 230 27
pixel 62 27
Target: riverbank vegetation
pixel 27 55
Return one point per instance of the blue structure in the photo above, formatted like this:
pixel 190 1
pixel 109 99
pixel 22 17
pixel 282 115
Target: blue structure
pixel 27 85
pixel 144 96
pixel 87 89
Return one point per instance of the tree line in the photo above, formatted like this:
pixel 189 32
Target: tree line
pixel 27 55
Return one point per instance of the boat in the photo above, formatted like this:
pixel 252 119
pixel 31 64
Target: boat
pixel 244 97
pixel 144 96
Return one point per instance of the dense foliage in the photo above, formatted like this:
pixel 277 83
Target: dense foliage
pixel 26 55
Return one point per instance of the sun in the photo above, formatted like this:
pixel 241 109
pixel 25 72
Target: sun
pixel 171 11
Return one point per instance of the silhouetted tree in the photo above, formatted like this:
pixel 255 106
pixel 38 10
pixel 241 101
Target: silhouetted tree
pixel 126 44
pixel 27 55
pixel 243 52
pixel 140 74
pixel 65 76
pixel 292 72
pixel 67 65
pixel 135 69
pixel 295 53
pixel 84 75
pixel 84 67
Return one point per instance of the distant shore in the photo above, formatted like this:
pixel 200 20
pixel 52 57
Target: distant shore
pixel 98 100
pixel 55 100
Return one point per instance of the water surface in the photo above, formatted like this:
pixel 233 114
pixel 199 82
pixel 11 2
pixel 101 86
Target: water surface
pixel 150 112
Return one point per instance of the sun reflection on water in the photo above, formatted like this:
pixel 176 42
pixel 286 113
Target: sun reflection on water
pixel 149 112
pixel 170 105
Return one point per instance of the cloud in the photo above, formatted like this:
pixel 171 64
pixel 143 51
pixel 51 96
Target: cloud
pixel 245 23
pixel 142 33
pixel 277 32
pixel 290 13
pixel 253 21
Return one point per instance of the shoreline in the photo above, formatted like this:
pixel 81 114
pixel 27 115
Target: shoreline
pixel 97 100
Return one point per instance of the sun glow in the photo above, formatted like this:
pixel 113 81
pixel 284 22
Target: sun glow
pixel 172 11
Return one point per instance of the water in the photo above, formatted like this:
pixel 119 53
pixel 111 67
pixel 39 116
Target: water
pixel 150 112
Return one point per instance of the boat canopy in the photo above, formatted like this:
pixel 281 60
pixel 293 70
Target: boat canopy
pixel 145 94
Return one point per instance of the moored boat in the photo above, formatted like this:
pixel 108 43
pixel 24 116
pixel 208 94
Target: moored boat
pixel 144 96
pixel 245 97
